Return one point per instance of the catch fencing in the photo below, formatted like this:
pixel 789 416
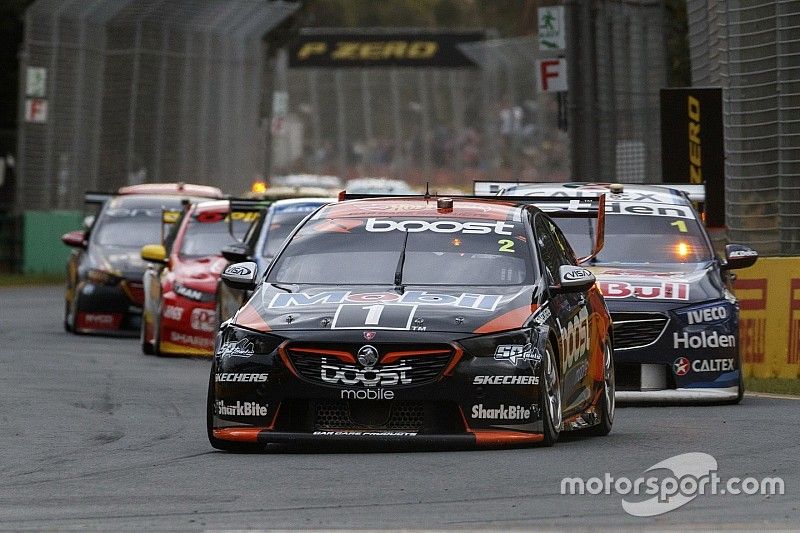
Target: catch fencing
pixel 136 91
pixel 752 49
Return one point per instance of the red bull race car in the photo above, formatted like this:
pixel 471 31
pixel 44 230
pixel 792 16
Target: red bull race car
pixel 104 271
pixel 180 284
pixel 415 320
pixel 676 321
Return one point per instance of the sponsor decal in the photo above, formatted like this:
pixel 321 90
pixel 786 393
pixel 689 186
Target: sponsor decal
pixel 186 292
pixel 742 253
pixel 368 433
pixel 516 352
pixel 367 394
pixel 386 376
pixel 574 341
pixel 173 312
pixel 240 378
pixel 504 412
pixel 98 320
pixel 484 302
pixel 703 339
pixel 207 217
pixel 542 316
pixel 629 273
pixel 368 356
pixel 192 340
pixel 440 226
pixel 577 274
pixel 505 380
pixel 709 314
pixel 666 290
pixel 238 270
pixel 575 376
pixel 203 319
pixel 681 366
pixel 240 409
pixel 656 209
pixel 242 348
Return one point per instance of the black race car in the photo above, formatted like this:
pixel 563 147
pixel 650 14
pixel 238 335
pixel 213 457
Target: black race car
pixel 676 322
pixel 104 272
pixel 415 320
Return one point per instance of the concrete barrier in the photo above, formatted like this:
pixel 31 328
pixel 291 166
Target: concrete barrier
pixel 769 326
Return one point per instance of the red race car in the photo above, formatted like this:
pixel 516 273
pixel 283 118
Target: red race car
pixel 180 283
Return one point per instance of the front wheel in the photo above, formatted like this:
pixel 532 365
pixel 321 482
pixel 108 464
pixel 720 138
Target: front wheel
pixel 147 346
pixel 552 421
pixel 607 400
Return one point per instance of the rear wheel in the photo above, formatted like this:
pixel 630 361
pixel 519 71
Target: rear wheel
pixel 552 421
pixel 67 317
pixel 607 400
pixel 219 444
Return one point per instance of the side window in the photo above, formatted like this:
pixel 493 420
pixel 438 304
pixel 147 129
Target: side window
pixel 565 252
pixel 547 247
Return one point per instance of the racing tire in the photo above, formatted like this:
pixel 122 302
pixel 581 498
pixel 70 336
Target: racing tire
pixel 67 323
pixel 740 393
pixel 157 333
pixel 147 346
pixel 552 414
pixel 607 400
pixel 224 445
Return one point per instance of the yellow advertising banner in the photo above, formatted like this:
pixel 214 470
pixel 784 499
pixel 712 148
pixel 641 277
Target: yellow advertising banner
pixel 769 323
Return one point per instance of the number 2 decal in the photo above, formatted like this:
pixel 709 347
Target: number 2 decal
pixel 681 225
pixel 506 245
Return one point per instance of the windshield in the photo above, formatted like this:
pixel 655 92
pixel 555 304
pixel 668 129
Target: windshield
pixel 207 235
pixel 367 251
pixel 637 239
pixel 128 228
pixel 280 226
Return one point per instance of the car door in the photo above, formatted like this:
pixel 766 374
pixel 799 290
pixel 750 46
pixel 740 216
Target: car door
pixel 571 312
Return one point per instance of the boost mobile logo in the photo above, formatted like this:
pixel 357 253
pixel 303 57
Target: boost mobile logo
pixel 575 338
pixel 441 226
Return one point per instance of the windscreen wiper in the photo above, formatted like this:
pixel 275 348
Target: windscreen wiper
pixel 398 273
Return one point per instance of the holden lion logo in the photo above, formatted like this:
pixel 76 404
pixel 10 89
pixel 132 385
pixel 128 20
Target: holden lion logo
pixel 681 366
pixel 368 356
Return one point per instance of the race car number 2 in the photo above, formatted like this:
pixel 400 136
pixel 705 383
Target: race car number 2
pixel 378 316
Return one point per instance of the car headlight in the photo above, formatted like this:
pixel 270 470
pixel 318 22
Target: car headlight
pixel 233 341
pixel 102 277
pixel 510 345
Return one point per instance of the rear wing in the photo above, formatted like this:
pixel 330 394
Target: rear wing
pixel 251 208
pixel 96 197
pixel 554 207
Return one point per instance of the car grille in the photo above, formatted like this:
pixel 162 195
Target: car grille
pixel 369 415
pixel 406 366
pixel 635 330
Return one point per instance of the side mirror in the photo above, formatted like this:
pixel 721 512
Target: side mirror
pixel 75 239
pixel 241 276
pixel 154 253
pixel 574 279
pixel 739 256
pixel 236 253
pixel 88 222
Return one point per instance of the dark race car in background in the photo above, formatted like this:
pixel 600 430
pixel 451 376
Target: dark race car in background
pixel 676 321
pixel 180 284
pixel 104 271
pixel 262 242
pixel 415 320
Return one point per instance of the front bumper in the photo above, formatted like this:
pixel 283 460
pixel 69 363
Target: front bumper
pixel 108 309
pixel 187 326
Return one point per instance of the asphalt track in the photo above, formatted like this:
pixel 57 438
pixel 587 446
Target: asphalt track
pixel 96 435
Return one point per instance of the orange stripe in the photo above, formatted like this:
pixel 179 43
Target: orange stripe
pixel 491 437
pixel 459 353
pixel 285 358
pixel 248 317
pixel 347 357
pixel 391 357
pixel 514 319
pixel 238 434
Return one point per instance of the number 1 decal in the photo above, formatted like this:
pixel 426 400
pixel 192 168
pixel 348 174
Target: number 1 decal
pixel 681 225
pixel 506 245
pixel 378 316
